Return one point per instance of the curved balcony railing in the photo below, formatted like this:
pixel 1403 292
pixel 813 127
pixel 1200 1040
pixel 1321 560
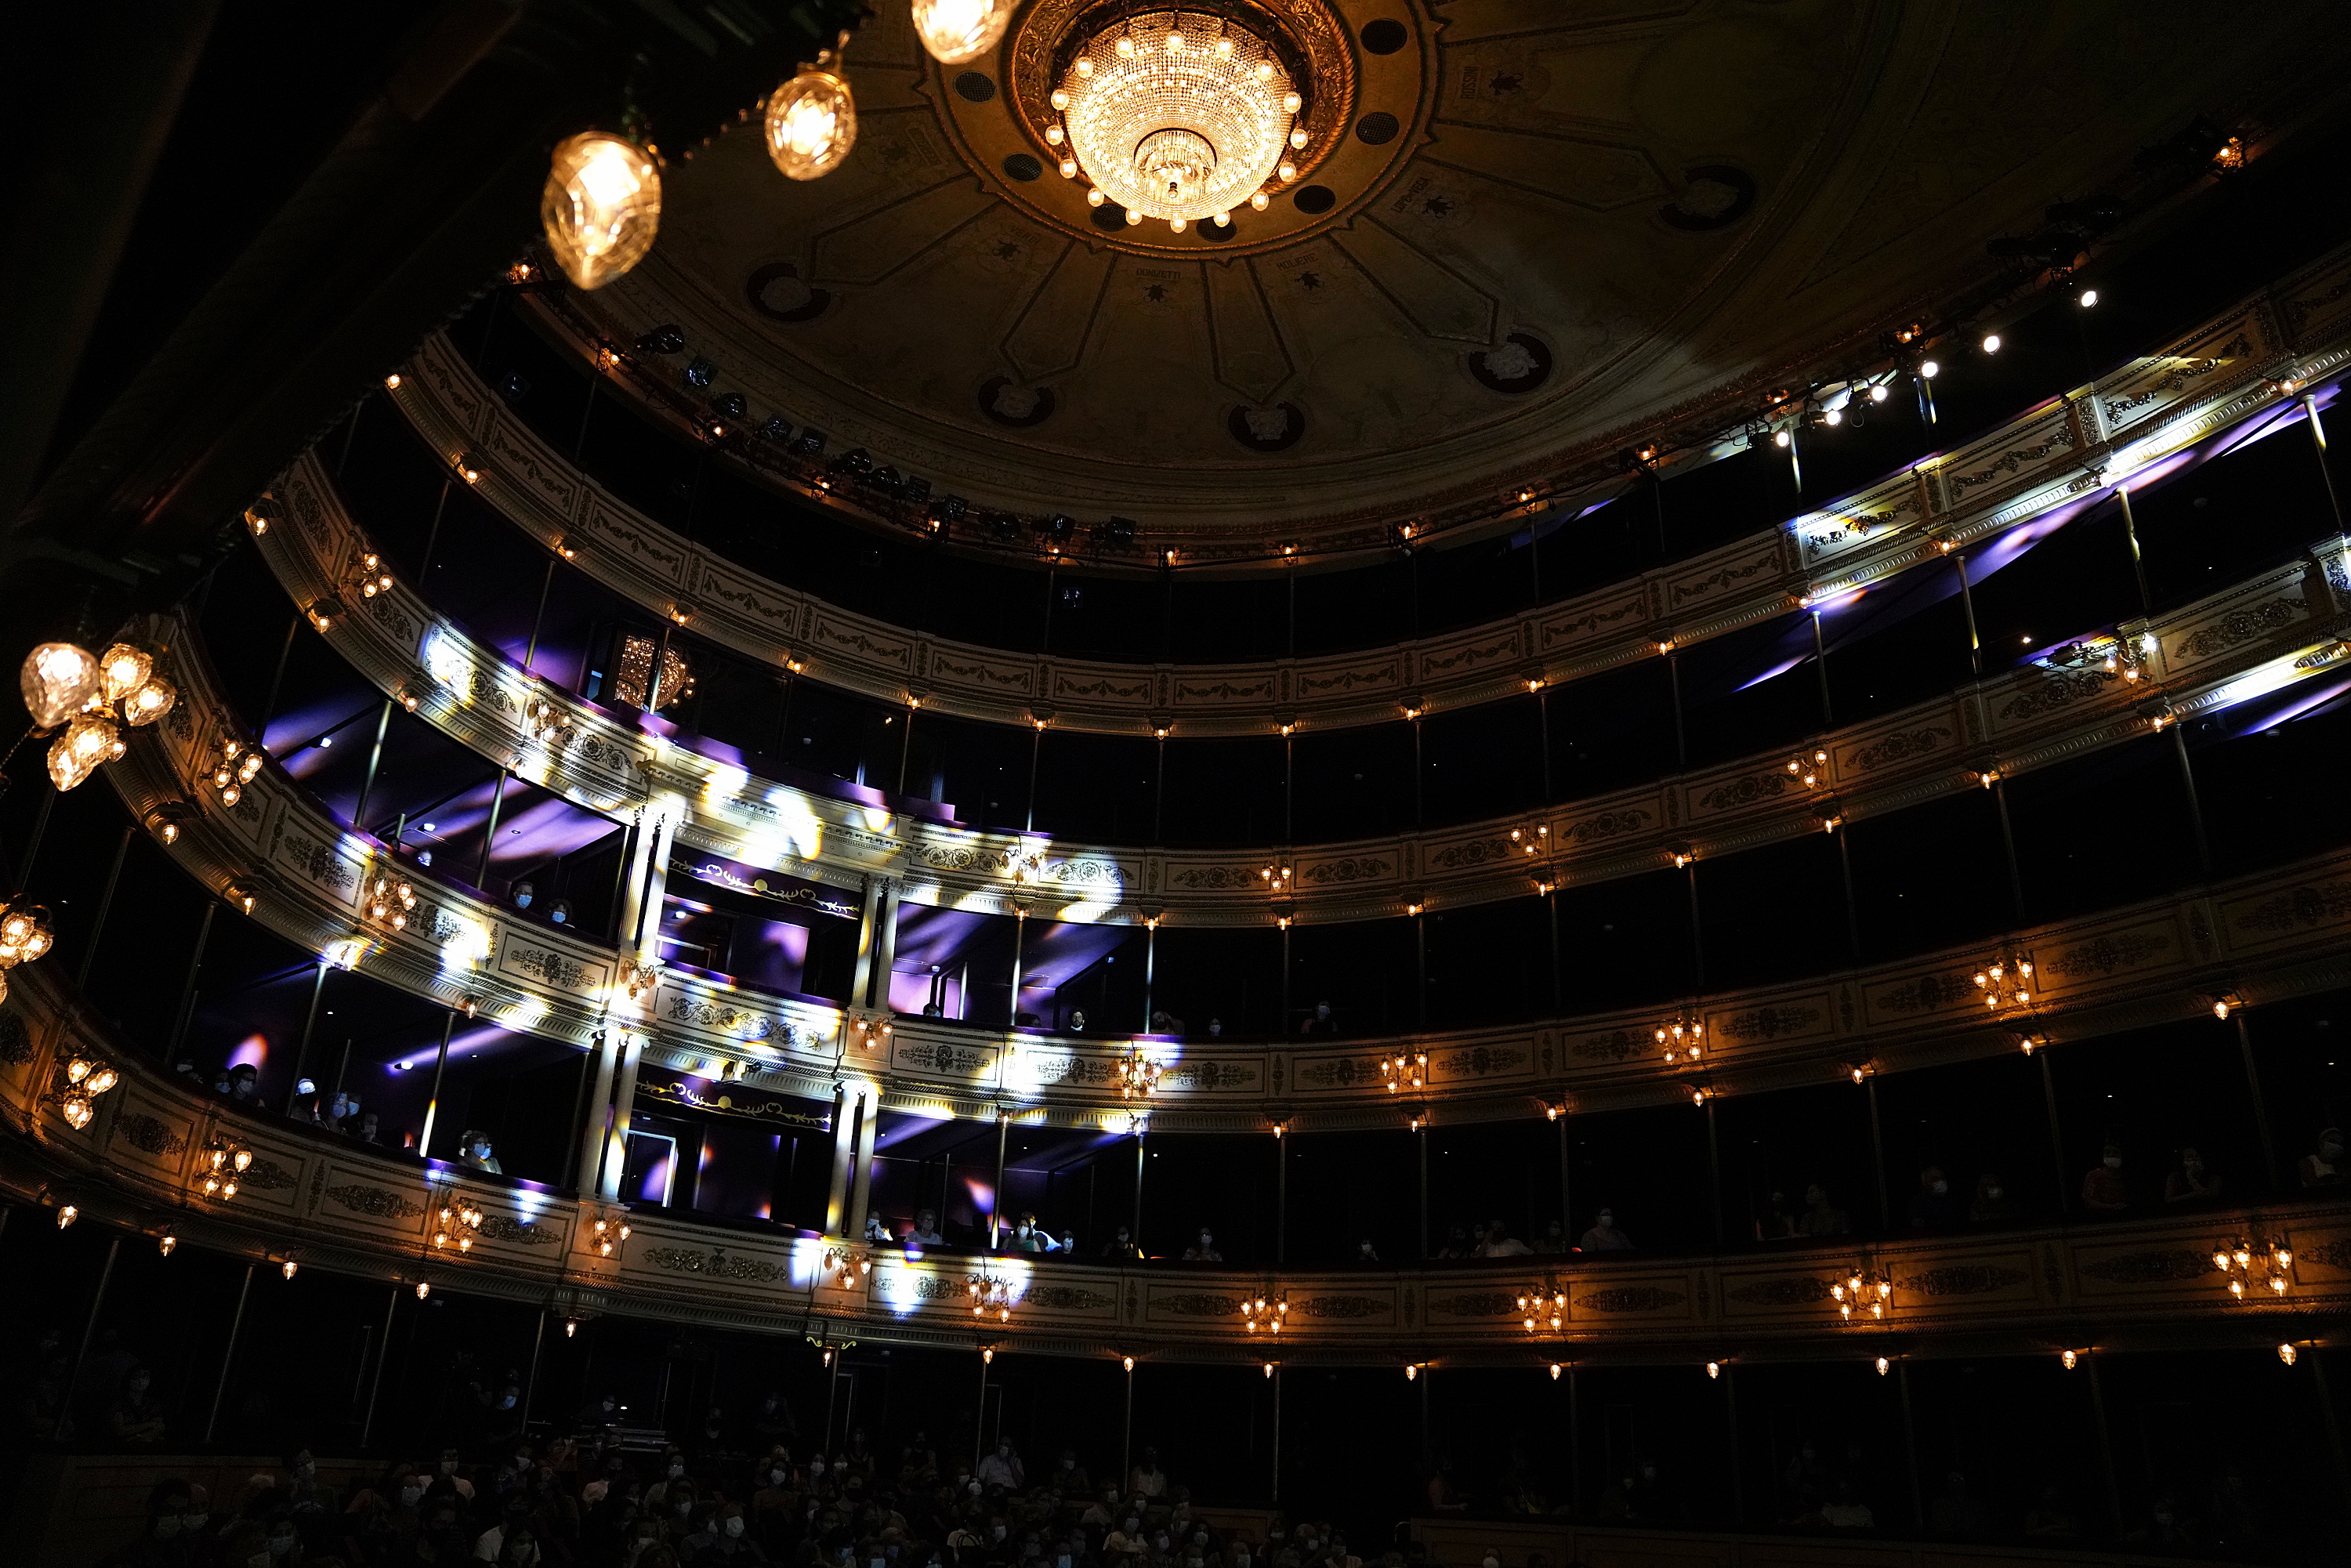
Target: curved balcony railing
pixel 327 1203
pixel 2231 369
pixel 2278 628
pixel 2282 933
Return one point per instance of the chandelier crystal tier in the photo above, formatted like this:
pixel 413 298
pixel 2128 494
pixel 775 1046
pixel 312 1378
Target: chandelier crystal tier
pixel 1177 115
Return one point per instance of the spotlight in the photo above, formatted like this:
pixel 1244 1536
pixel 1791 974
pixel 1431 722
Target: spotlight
pixel 1781 438
pixel 731 404
pixel 773 428
pixel 1991 344
pixel 1928 369
pixel 661 341
pixel 2087 298
pixel 810 442
pixel 1115 531
pixel 700 372
pixel 1877 393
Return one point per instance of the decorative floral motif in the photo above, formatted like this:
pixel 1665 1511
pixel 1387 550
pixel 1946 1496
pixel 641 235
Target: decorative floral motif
pixel 2052 692
pixel 1748 790
pixel 740 1022
pixel 2163 1267
pixel 1067 1299
pixel 2304 906
pixel 1341 1072
pixel 962 1062
pixel 715 1265
pixel 603 753
pixel 148 1134
pixel 268 1176
pixel 16 1040
pixel 379 1203
pixel 1788 1290
pixel 2239 627
pixel 967 858
pixel 498 1228
pixel 1481 1060
pixel 1631 1298
pixel 1351 868
pixel 1926 994
pixel 1900 746
pixel 1208 1075
pixel 1476 852
pixel 1213 877
pixel 1962 1280
pixel 2107 953
pixel 1608 824
pixel 1768 1023
pixel 1340 1307
pixel 1474 1304
pixel 2118 407
pixel 1199 1304
pixel 1616 1045
pixel 562 973
pixel 2012 461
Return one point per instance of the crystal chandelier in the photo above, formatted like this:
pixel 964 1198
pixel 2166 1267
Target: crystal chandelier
pixel 86 1080
pixel 25 936
pixel 2254 1267
pixel 2005 981
pixel 1682 1038
pixel 1177 115
pixel 990 1296
pixel 1542 1305
pixel 1138 1076
pixel 1866 1291
pixel 600 207
pixel 1267 1313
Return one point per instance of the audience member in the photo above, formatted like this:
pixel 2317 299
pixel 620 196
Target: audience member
pixel 476 1152
pixel 1500 1243
pixel 2324 1167
pixel 1122 1248
pixel 2190 1180
pixel 1603 1236
pixel 1203 1249
pixel 1822 1217
pixel 1554 1238
pixel 1991 1201
pixel 1457 1242
pixel 1779 1221
pixel 1932 1206
pixel 926 1229
pixel 2104 1191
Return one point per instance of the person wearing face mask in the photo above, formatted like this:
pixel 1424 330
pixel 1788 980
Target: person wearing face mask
pixel 1148 1484
pixel 2104 1191
pixel 477 1154
pixel 1991 1201
pixel 1120 1248
pixel 2190 1180
pixel 1932 1206
pixel 2325 1165
pixel 134 1415
pixel 673 1477
pixel 1366 1252
pixel 1070 1478
pixel 515 1517
pixel 167 1542
pixel 1492 1559
pixel 725 1537
pixel 1603 1236
pixel 1100 1513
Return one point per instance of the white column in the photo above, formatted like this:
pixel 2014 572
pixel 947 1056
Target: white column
pixel 624 1100
pixel 599 1110
pixel 844 1135
pixel 869 1128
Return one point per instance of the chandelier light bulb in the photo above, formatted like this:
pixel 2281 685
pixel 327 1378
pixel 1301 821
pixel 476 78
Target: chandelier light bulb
pixel 954 31
pixel 1124 48
pixel 1176 225
pixel 288 1268
pixel 2067 1359
pixel 167 1244
pixel 89 741
pixel 1060 100
pixel 151 700
pixel 1259 200
pixel 1133 218
pixel 120 671
pixel 1068 168
pixel 57 680
pixel 67 1215
pixel 1221 219
pixel 1290 103
pixel 1055 135
pixel 2286 1355
pixel 1298 137
pixel 602 206
pixel 1094 198
pixel 1287 169
pixel 811 124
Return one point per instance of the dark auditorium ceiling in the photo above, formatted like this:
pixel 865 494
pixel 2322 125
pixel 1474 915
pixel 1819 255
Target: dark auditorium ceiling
pixel 1549 228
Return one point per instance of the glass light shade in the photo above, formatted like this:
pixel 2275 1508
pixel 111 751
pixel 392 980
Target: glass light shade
pixel 811 124
pixel 57 680
pixel 151 700
pixel 77 1111
pixel 954 31
pixel 104 1079
pixel 121 669
pixel 88 742
pixel 1177 114
pixel 602 206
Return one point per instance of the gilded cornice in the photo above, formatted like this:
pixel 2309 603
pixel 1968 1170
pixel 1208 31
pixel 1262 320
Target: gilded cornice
pixel 2280 626
pixel 327 1202
pixel 2279 933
